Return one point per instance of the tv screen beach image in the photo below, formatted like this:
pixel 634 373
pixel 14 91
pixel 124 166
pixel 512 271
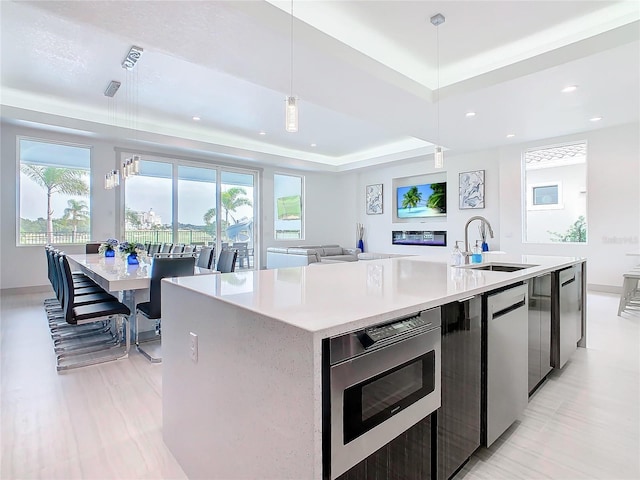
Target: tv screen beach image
pixel 421 201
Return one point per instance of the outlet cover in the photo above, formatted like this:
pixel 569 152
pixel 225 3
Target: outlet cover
pixel 193 347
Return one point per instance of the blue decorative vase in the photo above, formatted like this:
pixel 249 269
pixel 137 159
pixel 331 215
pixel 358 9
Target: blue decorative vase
pixel 361 245
pixel 485 247
pixel 132 259
pixel 110 253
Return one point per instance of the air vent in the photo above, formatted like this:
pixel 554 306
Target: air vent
pixel 112 88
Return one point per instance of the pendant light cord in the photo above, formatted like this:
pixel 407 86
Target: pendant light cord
pixel 438 80
pixel 291 76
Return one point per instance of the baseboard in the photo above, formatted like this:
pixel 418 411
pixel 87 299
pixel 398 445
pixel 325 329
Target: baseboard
pixel 604 288
pixel 27 290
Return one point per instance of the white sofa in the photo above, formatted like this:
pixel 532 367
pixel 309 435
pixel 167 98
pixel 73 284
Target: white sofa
pixel 302 255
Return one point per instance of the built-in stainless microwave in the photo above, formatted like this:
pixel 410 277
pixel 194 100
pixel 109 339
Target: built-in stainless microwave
pixel 383 380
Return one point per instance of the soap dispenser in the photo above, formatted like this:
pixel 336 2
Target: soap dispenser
pixel 476 256
pixel 457 258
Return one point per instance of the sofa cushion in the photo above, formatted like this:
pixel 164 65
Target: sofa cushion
pixel 340 258
pixel 277 249
pixel 301 251
pixel 330 251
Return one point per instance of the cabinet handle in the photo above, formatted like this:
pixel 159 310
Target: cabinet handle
pixel 509 309
pixel 572 279
pixel 465 299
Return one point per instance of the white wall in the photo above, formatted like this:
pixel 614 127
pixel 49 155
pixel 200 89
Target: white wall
pixel 378 228
pixel 541 221
pixel 329 198
pixel 613 203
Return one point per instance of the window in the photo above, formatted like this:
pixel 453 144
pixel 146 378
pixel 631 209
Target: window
pixel 54 187
pixel 181 202
pixel 545 195
pixel 197 219
pixel 288 207
pixel 148 208
pixel 236 205
pixel 556 194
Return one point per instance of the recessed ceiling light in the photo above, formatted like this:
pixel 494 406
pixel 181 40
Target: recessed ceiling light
pixel 569 89
pixel 314 145
pixel 262 133
pixel 195 118
pixel 511 135
pixel 595 119
pixel 470 114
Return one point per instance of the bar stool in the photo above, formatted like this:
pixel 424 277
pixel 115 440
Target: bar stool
pixel 630 296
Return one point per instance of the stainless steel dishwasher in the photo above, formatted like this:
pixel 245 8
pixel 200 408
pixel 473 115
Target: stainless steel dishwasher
pixel 506 360
pixel 566 315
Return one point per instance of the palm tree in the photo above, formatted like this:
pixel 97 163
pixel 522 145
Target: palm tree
pixel 438 199
pixel 76 212
pixel 209 216
pixel 231 200
pixel 412 198
pixel 56 180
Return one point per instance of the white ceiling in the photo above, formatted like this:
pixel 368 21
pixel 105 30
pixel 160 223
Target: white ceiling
pixel 365 73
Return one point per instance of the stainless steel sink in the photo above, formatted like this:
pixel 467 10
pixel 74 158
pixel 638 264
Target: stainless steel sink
pixel 500 267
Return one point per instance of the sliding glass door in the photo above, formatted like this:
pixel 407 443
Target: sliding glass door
pixel 175 202
pixel 148 206
pixel 197 221
pixel 237 200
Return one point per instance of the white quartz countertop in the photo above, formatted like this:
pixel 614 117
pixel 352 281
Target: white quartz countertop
pixel 336 298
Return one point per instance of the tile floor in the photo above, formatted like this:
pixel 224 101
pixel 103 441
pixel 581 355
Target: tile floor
pixel 104 422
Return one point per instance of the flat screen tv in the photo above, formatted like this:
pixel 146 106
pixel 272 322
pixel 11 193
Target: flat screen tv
pixel 422 201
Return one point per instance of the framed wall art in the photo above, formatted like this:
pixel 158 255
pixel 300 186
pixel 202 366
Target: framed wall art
pixel 374 199
pixel 472 189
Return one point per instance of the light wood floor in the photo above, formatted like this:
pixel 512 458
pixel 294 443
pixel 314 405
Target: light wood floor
pixel 104 422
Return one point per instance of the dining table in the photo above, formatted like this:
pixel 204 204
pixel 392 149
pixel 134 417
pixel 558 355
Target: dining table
pixel 116 276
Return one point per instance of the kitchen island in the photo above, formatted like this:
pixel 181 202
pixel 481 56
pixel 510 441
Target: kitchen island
pixel 243 360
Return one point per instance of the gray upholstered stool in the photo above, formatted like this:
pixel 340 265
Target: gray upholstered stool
pixel 630 296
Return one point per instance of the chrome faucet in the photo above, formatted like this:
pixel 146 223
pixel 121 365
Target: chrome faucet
pixel 467 252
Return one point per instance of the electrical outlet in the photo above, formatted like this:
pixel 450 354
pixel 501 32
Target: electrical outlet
pixel 193 347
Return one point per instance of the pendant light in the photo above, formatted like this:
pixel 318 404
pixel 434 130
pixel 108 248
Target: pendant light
pixel 291 110
pixel 131 165
pixel 112 177
pixel 438 154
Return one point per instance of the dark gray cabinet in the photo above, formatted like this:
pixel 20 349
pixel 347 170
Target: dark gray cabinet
pixel 408 456
pixel 459 420
pixel 539 330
